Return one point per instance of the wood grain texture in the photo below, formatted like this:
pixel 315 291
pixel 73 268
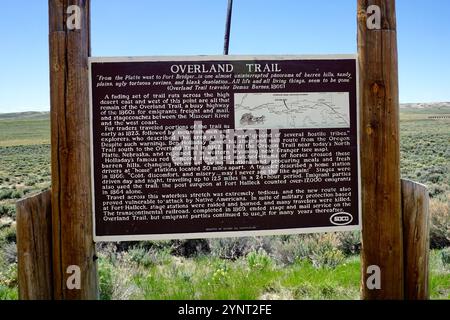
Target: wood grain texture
pixel 382 235
pixel 71 185
pixel 34 247
pixel 416 230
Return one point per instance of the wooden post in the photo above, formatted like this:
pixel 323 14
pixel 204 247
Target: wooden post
pixel 71 185
pixel 34 247
pixel 382 236
pixel 416 230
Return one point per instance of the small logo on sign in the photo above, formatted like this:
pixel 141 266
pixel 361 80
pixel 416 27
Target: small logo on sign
pixel 341 218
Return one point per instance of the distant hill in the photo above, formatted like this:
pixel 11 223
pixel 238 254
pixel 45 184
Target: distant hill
pixel 425 108
pixel 29 115
pixel 425 105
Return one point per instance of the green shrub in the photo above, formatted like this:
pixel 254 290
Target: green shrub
pixel 6 194
pixel 350 242
pixel 7 235
pixel 234 248
pixel 435 177
pixel 105 277
pixel 17 194
pixel 259 260
pixel 321 249
pixel 163 244
pixel 8 210
pixel 296 248
pixel 8 293
pixel 8 253
pixel 147 258
pixel 8 275
pixel 220 275
pixel 436 190
pixel 116 277
pixel 141 256
pixel 445 256
pixel 231 248
pixel 287 252
pixel 327 257
pixel 190 248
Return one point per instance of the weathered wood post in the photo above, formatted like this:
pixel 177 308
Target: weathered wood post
pixel 416 230
pixel 34 247
pixel 73 245
pixel 382 235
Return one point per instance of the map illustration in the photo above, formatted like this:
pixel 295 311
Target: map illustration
pixel 292 110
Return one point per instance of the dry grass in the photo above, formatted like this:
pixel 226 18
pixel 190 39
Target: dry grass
pixel 440 223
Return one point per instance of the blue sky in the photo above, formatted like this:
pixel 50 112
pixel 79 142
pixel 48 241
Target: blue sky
pixel 180 27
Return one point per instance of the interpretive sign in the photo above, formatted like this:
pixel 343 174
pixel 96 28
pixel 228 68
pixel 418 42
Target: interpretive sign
pixel 217 146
